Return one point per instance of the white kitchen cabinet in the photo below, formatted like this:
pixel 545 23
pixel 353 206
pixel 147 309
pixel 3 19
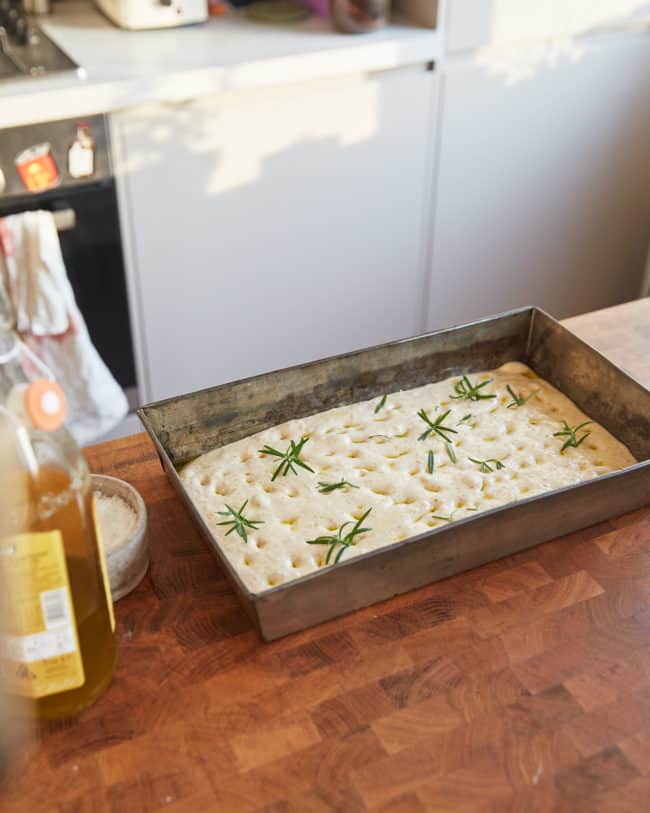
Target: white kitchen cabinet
pixel 543 178
pixel 271 228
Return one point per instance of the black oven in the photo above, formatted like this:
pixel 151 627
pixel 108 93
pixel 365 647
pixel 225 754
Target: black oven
pixel 67 165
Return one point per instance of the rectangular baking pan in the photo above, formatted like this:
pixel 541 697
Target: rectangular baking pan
pixel 187 426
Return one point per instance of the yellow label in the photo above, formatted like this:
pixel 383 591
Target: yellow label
pixel 40 645
pixel 102 564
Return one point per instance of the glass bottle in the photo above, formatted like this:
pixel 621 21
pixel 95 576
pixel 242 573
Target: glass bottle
pixel 359 16
pixel 57 644
pixel 81 153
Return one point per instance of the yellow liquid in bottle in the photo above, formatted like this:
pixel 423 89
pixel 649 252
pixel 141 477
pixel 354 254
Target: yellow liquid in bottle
pixel 59 506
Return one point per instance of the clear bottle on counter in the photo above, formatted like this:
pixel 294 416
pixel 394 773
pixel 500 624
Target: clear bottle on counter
pixel 359 16
pixel 81 153
pixel 57 644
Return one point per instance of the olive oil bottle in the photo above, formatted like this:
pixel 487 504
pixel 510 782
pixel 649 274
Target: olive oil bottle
pixel 57 644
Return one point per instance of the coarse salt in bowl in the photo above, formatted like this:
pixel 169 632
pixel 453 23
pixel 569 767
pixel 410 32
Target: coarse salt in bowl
pixel 122 519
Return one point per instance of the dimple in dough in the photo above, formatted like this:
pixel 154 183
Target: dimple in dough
pixel 391 473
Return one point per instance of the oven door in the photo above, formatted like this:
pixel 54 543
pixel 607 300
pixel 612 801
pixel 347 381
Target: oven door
pixel 89 232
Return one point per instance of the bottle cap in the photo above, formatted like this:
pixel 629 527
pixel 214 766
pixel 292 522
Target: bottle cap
pixel 45 404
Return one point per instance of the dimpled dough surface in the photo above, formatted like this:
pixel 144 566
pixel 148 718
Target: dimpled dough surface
pixel 392 473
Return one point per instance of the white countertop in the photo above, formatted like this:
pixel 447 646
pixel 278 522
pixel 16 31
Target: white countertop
pixel 125 69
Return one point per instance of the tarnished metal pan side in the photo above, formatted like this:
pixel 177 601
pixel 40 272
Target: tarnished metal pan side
pixel 190 425
pixel 603 391
pixel 240 588
pixel 445 552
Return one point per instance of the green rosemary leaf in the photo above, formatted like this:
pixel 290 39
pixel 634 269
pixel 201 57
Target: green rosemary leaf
pixel 464 420
pixel 381 404
pixel 288 459
pixel 342 539
pixel 326 488
pixel 484 465
pixel 436 426
pixel 466 391
pixel 517 399
pixel 430 462
pixel 450 518
pixel 572 441
pixel 451 453
pixel 238 521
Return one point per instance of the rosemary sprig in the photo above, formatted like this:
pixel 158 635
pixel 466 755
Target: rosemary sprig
pixel 466 391
pixel 326 488
pixel 436 426
pixel 344 540
pixel 431 462
pixel 464 420
pixel 517 399
pixel 450 518
pixel 381 404
pixel 238 521
pixel 288 459
pixel 451 454
pixel 485 466
pixel 571 435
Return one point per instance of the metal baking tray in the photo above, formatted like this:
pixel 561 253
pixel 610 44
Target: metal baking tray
pixel 184 427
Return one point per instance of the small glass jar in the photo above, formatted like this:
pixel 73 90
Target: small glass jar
pixel 359 16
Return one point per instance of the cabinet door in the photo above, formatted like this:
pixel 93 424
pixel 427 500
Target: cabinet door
pixel 273 228
pixel 543 181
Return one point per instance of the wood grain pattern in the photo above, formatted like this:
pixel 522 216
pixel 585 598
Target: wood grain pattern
pixel 523 685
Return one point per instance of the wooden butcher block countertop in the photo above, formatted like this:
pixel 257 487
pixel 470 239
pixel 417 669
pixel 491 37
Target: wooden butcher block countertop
pixel 522 685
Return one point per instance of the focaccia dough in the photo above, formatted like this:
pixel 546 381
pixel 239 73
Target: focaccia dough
pixel 392 472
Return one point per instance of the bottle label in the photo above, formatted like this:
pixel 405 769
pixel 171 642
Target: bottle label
pixel 102 563
pixel 39 645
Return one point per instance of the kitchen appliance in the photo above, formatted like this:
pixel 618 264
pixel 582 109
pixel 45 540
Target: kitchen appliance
pixel 137 14
pixel 65 167
pixel 24 49
pixel 185 427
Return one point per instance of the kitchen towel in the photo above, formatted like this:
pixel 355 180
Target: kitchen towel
pixel 50 323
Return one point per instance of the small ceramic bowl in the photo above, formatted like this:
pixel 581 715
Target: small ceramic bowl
pixel 127 563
